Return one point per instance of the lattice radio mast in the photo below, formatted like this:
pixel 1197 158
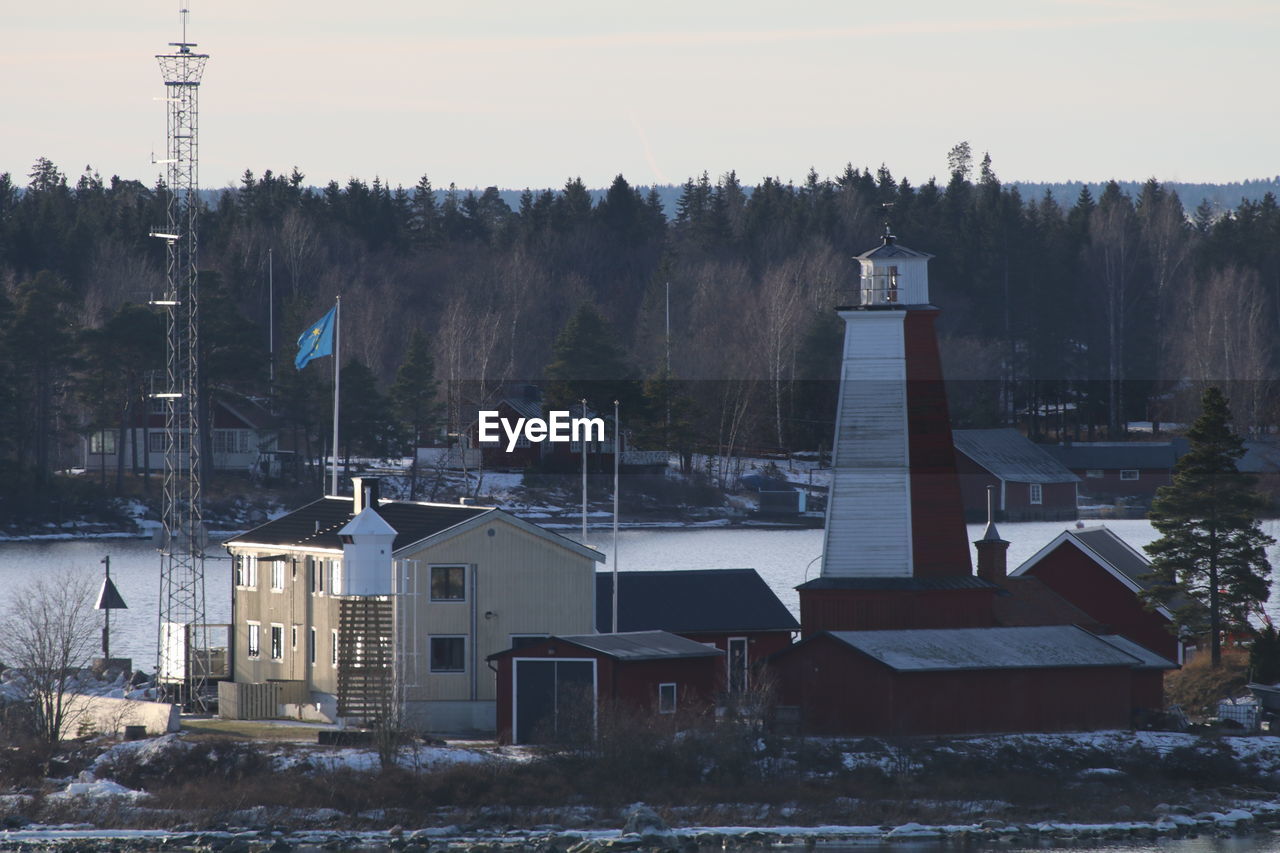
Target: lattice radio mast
pixel 182 666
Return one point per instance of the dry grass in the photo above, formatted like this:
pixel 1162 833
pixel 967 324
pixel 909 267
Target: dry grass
pixel 1198 686
pixel 254 730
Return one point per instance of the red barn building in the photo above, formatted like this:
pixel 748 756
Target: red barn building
pixel 731 609
pixel 553 689
pixel 957 681
pixel 1116 469
pixel 1103 576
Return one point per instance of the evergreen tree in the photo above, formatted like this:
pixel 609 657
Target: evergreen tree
pixel 1264 656
pixel 414 398
pixel 588 364
pixel 1210 563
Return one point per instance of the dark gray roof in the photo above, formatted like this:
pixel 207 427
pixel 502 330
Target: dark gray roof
pixel 1011 456
pixel 889 249
pixel 1113 455
pixel 942 649
pixel 897 583
pixel 1110 547
pixel 524 407
pixel 317 524
pixel 643 645
pixel 1148 658
pixel 688 602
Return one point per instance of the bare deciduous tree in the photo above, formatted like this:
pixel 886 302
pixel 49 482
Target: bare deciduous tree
pixel 48 635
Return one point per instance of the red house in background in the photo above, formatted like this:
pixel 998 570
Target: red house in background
pixel 1098 572
pixel 1031 485
pixel 1114 469
pixel 553 689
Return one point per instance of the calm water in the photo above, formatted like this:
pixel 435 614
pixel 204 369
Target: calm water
pixel 784 559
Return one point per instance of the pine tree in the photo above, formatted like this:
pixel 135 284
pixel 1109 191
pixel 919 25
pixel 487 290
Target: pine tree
pixel 588 364
pixel 1210 563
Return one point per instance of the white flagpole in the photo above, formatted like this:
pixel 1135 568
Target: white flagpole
pixel 617 455
pixel 584 435
pixel 337 360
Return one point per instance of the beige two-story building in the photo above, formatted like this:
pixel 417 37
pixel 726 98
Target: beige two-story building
pixel 345 597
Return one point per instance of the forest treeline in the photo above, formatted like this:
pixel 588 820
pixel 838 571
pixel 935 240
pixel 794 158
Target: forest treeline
pixel 1064 316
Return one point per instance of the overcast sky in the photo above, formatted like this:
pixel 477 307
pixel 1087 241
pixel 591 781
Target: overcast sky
pixel 517 93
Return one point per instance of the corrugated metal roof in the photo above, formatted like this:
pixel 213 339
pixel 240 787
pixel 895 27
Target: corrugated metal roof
pixel 898 583
pixel 523 407
pixel 1260 457
pixel 1011 456
pixel 690 601
pixel 1026 601
pixel 943 649
pixel 1114 455
pixel 317 524
pixel 642 645
pixel 1148 658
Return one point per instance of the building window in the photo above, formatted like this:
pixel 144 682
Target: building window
pixel 254 646
pixel 335 576
pixel 448 654
pixel 1129 474
pixel 1094 473
pixel 102 442
pixel 230 441
pixel 277 642
pixel 448 583
pixel 1037 494
pixel 311 646
pixel 155 441
pixel 667 698
pixel 277 575
pixel 293 638
pixel 247 570
pixel 333 648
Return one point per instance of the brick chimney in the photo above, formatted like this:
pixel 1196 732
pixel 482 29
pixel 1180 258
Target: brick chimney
pixel 993 552
pixel 366 491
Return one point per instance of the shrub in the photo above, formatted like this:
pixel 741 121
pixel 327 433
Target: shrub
pixel 1199 686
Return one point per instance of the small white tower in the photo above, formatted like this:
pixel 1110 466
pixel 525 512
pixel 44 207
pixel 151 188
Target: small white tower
pixel 366 555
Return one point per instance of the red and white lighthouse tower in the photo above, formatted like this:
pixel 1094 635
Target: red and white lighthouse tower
pixel 896 553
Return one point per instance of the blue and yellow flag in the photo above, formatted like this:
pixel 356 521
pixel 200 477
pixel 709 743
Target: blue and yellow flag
pixel 317 341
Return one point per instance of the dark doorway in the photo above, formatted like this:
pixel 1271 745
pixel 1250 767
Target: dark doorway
pixel 554 700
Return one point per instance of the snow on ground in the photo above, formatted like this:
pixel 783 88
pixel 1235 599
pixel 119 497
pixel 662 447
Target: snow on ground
pixel 366 760
pixel 98 789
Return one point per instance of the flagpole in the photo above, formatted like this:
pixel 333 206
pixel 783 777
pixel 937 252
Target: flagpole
pixel 337 359
pixel 617 455
pixel 585 433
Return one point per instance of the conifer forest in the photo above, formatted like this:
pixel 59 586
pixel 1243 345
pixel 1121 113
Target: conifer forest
pixel 712 323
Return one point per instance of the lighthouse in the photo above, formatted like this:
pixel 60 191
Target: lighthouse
pixel 895 552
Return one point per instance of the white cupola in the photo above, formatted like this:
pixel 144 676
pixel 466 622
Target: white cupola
pixel 366 555
pixel 893 275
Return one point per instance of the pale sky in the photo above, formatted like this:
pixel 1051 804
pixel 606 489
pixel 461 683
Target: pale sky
pixel 516 93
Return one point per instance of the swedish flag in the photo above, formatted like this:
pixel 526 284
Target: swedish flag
pixel 317 341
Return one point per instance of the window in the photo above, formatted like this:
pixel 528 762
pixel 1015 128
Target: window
pixel 311 646
pixel 1094 473
pixel 247 570
pixel 335 576
pixel 230 441
pixel 293 638
pixel 1037 493
pixel 448 583
pixel 333 648
pixel 102 442
pixel 448 654
pixel 667 698
pixel 155 441
pixel 1129 474
pixel 277 575
pixel 277 642
pixel 254 647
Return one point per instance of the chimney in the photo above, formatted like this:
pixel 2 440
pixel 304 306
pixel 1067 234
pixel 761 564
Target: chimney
pixel 993 552
pixel 366 491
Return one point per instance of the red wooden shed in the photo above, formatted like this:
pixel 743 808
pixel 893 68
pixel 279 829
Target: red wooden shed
pixel 957 680
pixel 553 690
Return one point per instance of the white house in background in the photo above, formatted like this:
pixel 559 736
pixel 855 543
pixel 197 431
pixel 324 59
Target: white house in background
pixel 242 429
pixel 343 595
